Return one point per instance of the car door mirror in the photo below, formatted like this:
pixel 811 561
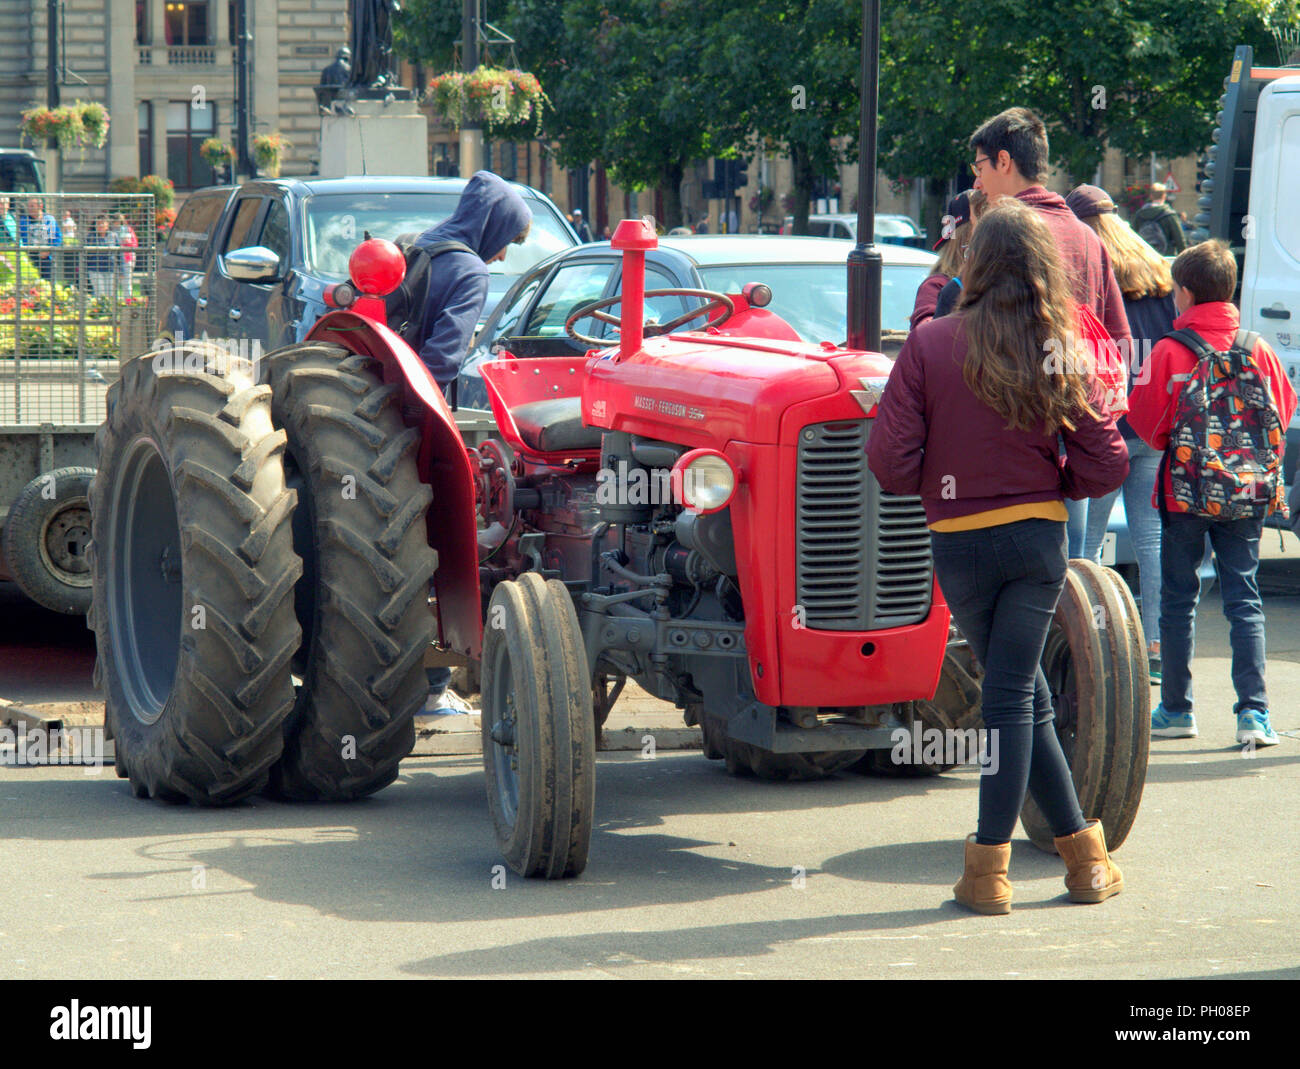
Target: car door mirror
pixel 254 264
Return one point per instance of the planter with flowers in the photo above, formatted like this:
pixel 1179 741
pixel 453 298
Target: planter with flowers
pixel 216 153
pixel 508 104
pixel 81 124
pixel 269 150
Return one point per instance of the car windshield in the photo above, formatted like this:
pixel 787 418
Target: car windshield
pixel 812 297
pixel 337 223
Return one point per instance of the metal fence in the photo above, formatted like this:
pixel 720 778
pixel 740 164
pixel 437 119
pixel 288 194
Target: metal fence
pixel 77 288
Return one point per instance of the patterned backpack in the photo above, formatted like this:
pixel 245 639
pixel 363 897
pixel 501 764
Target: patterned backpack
pixel 1224 455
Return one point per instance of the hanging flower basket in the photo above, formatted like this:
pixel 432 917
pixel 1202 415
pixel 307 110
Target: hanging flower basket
pixel 216 153
pixel 507 103
pixel 94 122
pixel 82 124
pixel 62 124
pixel 269 150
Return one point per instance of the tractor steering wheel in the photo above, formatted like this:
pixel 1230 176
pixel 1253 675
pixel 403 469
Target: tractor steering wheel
pixel 716 300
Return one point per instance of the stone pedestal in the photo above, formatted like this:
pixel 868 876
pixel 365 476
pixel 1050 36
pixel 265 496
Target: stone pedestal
pixel 377 139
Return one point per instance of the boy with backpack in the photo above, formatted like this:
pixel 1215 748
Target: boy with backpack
pixel 1217 401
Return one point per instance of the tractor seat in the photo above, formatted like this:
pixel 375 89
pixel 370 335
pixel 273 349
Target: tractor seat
pixel 555 426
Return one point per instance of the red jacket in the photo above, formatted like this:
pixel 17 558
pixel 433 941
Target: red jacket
pixel 927 298
pixel 1087 263
pixel 933 437
pixel 1155 390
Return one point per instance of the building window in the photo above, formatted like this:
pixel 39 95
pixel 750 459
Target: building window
pixel 186 22
pixel 144 120
pixel 187 128
pixel 142 36
pixel 232 21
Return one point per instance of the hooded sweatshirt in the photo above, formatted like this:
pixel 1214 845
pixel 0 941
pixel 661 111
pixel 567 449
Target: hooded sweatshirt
pixel 489 216
pixel 1152 400
pixel 1087 263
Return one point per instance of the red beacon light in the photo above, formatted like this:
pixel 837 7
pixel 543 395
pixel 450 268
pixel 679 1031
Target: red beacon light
pixel 376 267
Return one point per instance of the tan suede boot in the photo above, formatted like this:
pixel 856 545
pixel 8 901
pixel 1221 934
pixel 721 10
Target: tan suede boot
pixel 1091 875
pixel 984 886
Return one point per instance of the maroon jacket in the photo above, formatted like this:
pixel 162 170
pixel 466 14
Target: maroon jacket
pixel 1087 263
pixel 927 297
pixel 933 437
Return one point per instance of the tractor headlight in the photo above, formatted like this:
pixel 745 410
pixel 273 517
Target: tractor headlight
pixel 704 480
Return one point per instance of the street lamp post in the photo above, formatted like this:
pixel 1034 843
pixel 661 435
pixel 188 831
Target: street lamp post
pixel 864 268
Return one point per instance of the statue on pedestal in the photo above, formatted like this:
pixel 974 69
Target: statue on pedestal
pixel 334 77
pixel 373 62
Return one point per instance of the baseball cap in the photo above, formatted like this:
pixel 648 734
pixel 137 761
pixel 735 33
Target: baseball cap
pixel 958 213
pixel 1087 201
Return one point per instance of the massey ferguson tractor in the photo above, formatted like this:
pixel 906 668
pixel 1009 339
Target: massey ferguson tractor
pixel 688 508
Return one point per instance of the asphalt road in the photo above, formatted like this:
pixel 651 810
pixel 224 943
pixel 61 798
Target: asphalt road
pixel 692 873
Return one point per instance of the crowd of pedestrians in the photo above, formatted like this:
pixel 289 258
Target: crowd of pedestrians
pixel 105 270
pixel 1022 269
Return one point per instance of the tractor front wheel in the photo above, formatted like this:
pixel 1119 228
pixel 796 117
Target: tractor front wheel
pixel 1096 667
pixel 539 737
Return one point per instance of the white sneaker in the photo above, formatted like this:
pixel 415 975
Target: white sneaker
pixel 448 703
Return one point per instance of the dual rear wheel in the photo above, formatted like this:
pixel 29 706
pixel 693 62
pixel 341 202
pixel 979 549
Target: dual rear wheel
pixel 261 573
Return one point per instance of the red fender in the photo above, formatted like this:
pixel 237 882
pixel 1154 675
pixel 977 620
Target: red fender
pixel 443 463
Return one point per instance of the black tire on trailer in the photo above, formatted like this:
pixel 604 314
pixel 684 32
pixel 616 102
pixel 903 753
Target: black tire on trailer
pixel 745 759
pixel 193 571
pixel 539 739
pixel 363 600
pixel 1091 670
pixel 45 538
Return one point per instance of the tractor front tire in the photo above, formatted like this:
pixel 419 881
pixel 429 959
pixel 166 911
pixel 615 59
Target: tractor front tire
pixel 363 601
pixel 193 571
pixel 539 734
pixel 1096 667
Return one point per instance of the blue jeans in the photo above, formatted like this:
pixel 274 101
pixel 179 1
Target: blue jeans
pixel 1236 545
pixel 439 679
pixel 1002 584
pixel 1144 529
pixel 1076 527
pixel 1099 509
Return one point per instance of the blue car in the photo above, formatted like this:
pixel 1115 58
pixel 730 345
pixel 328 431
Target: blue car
pixel 253 262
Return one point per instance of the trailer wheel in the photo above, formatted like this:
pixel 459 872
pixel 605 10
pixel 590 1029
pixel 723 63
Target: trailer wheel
pixel 363 601
pixel 539 740
pixel 1095 662
pixel 193 570
pixel 45 538
pixel 745 759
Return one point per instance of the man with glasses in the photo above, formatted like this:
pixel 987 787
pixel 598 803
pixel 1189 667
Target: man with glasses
pixel 1011 161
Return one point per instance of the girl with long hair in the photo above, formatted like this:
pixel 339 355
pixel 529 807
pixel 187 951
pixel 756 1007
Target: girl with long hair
pixel 971 419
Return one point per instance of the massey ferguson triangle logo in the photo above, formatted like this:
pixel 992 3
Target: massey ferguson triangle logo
pixel 872 390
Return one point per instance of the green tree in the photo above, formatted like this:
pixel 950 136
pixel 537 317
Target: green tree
pixel 426 31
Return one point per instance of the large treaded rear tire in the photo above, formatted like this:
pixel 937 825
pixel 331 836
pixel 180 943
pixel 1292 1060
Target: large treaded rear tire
pixel 363 600
pixel 193 569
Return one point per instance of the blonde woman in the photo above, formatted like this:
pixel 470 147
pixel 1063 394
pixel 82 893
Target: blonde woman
pixel 954 238
pixel 970 421
pixel 1147 285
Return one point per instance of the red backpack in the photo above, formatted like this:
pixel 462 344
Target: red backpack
pixel 1224 455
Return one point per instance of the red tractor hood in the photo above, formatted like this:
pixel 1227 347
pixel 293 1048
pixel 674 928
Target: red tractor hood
pixel 704 390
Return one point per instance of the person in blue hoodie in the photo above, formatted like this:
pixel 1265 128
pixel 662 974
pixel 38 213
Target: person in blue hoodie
pixel 489 219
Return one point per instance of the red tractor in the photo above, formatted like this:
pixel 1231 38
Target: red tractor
pixel 690 509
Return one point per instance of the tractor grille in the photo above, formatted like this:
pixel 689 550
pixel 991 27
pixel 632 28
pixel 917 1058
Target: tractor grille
pixel 862 555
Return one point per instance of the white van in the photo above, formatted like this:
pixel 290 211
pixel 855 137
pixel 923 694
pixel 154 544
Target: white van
pixel 1251 176
pixel 1270 278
